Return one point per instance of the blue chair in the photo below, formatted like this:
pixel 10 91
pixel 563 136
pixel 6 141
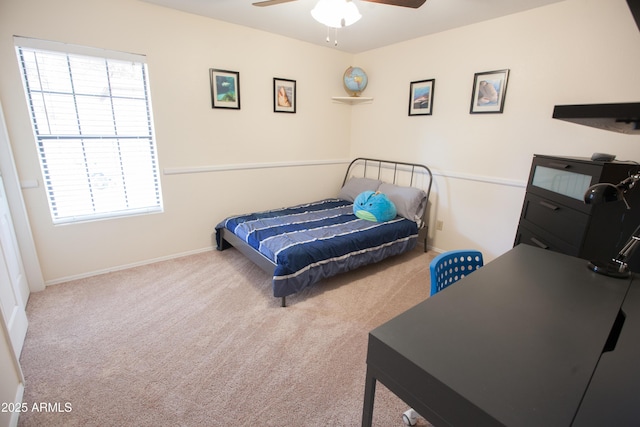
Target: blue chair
pixel 446 269
pixel 449 267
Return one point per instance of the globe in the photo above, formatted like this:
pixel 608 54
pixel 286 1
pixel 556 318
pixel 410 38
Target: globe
pixel 355 80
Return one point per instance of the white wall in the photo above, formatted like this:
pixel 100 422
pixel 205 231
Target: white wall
pixel 180 49
pixel 576 51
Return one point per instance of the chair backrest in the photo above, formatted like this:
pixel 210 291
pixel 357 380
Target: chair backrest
pixel 449 267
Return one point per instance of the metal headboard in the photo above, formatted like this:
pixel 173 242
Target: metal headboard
pixel 376 168
pixel 399 168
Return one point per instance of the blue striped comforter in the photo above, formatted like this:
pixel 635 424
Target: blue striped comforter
pixel 317 240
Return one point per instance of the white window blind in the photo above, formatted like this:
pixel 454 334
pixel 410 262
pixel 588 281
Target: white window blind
pixel 91 115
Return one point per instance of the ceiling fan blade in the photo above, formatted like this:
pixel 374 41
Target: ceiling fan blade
pixel 270 2
pixel 405 3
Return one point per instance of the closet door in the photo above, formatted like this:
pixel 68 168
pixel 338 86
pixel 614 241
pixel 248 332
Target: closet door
pixel 13 282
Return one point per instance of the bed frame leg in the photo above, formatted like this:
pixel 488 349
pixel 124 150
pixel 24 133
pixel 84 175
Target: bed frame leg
pixel 284 302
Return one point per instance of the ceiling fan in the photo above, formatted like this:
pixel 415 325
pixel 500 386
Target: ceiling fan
pixel 404 3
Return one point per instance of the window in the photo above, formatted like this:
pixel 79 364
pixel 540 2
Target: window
pixel 91 115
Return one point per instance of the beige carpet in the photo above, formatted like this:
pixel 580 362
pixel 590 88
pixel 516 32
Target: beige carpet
pixel 201 341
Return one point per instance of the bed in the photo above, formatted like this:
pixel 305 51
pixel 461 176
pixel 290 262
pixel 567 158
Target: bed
pixel 301 245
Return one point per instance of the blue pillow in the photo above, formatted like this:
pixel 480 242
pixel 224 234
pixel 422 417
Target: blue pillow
pixel 374 206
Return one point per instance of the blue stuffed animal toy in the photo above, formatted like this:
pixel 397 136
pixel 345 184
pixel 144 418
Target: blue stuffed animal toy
pixel 374 206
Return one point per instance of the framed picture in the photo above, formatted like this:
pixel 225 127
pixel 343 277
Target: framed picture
pixel 225 89
pixel 284 95
pixel 421 97
pixel 489 90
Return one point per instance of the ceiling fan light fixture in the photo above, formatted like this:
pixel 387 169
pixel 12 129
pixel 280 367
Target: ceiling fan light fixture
pixel 336 13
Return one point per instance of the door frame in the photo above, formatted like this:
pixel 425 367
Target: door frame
pixel 18 210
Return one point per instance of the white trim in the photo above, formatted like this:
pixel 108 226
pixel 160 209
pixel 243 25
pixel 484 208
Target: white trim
pixel 15 352
pixel 245 166
pixel 32 43
pixel 480 178
pixel 29 183
pixel 125 266
pixel 21 224
pixel 5 335
pixel 76 219
pixel 13 422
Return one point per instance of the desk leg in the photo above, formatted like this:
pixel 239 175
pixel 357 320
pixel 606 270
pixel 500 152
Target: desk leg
pixel 369 396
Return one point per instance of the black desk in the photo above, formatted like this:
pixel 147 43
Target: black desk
pixel 516 343
pixel 613 397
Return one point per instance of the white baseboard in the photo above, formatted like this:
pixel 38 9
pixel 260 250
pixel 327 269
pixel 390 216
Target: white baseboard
pixel 125 266
pixel 13 421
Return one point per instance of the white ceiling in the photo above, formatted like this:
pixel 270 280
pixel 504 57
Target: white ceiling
pixel 380 25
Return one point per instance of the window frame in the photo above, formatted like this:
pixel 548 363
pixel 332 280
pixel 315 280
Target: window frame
pixel 116 153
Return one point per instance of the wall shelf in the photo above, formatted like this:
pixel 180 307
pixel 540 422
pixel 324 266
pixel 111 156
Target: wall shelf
pixel 352 99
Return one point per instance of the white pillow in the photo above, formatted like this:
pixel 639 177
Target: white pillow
pixel 410 202
pixel 355 186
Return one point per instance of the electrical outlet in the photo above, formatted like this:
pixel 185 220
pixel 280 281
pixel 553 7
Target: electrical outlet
pixel 439 225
